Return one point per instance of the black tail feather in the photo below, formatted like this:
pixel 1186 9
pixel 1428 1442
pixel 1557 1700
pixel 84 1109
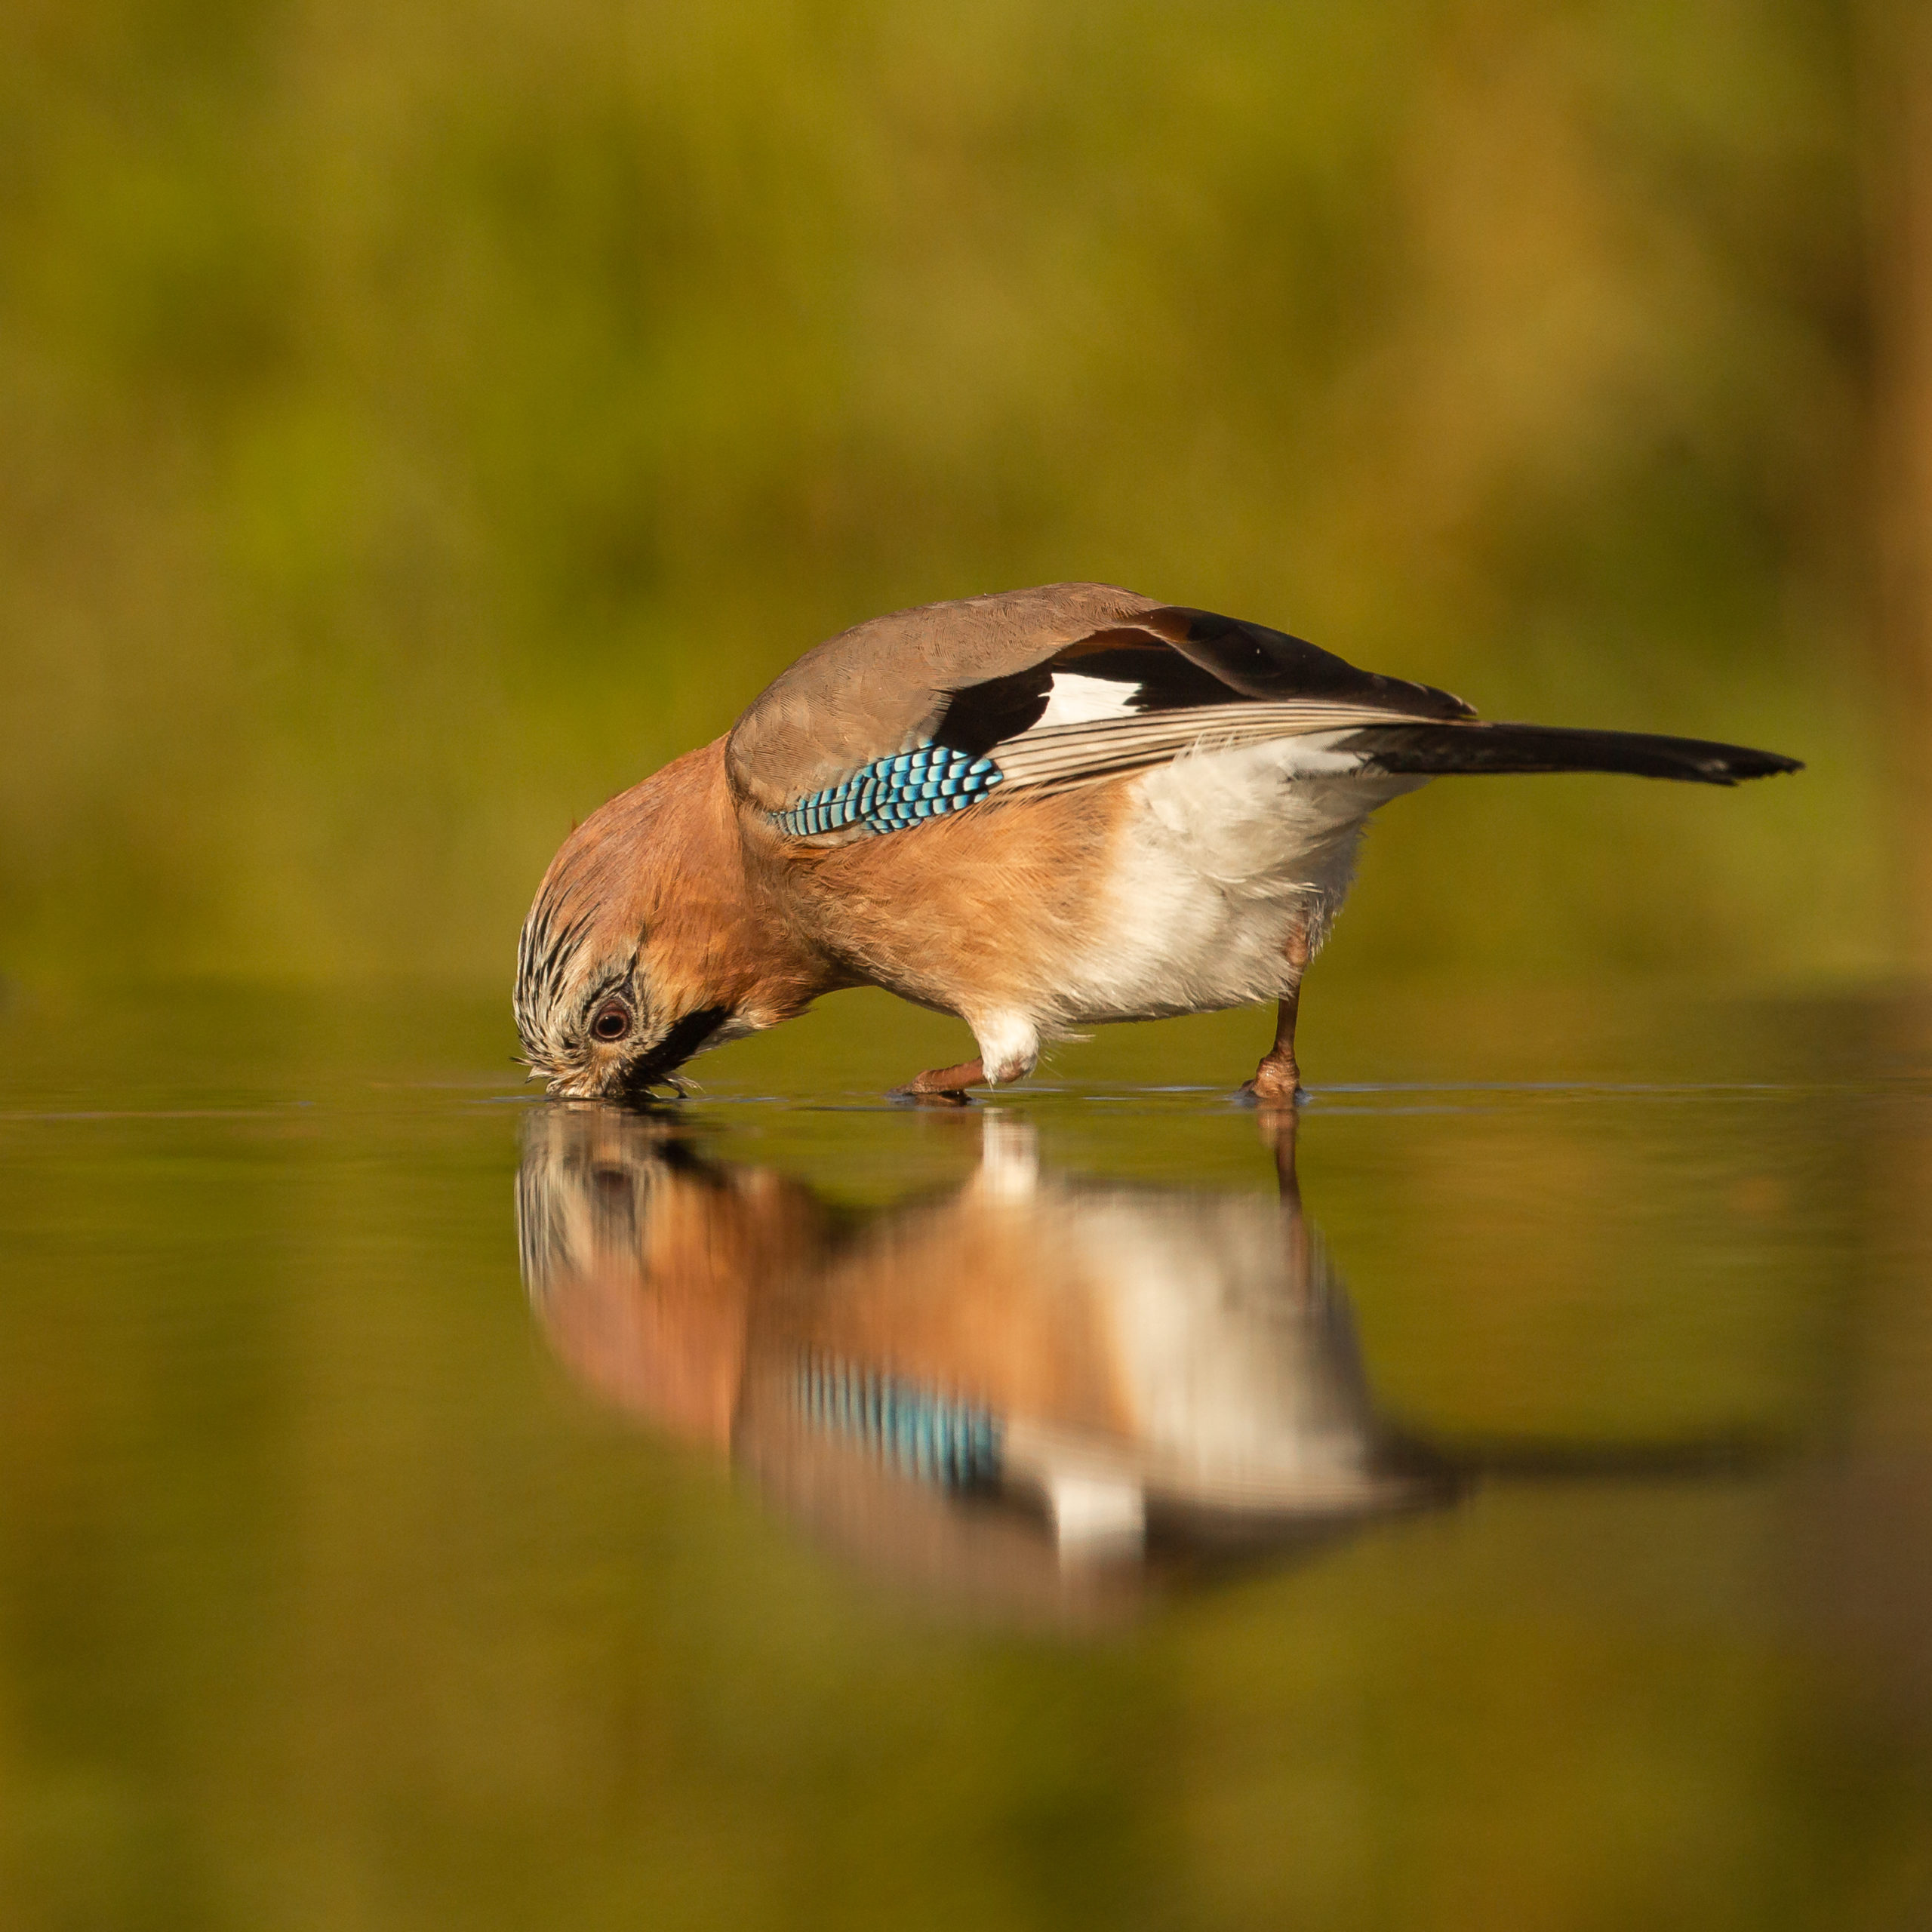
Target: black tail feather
pixel 1434 748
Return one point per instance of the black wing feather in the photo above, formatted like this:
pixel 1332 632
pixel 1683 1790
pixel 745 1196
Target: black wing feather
pixel 1182 659
pixel 1437 749
pixel 1258 662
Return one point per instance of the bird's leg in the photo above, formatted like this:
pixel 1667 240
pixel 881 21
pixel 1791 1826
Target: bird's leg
pixel 1009 1050
pixel 1277 1079
pixel 948 1083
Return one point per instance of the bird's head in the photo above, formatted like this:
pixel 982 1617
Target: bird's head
pixel 643 946
pixel 595 1024
pixel 606 1004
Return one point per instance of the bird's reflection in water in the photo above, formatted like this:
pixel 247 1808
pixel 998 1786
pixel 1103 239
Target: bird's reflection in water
pixel 1037 1392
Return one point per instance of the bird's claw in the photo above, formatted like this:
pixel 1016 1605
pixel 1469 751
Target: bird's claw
pixel 1271 1097
pixel 913 1095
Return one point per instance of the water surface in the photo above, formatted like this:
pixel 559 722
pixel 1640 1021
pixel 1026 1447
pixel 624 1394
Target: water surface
pixel 1506 1500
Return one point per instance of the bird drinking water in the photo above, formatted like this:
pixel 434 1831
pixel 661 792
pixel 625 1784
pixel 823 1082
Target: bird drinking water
pixel 1039 810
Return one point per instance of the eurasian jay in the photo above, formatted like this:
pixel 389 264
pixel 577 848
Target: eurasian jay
pixel 1039 810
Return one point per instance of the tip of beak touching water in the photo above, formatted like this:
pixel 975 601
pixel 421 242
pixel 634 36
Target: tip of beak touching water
pixel 636 1076
pixel 656 1065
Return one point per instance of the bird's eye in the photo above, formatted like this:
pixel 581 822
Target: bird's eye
pixel 613 1020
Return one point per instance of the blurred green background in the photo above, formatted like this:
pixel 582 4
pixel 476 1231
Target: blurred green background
pixel 420 420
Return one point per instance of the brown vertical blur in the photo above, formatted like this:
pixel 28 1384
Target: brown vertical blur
pixel 1897 77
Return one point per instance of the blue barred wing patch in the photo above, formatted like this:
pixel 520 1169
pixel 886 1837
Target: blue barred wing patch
pixel 931 1437
pixel 892 792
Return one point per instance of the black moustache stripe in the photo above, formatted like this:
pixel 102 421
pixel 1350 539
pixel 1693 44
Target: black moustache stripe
pixel 676 1046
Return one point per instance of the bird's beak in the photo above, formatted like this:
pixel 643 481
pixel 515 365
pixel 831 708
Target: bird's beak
pixel 682 1039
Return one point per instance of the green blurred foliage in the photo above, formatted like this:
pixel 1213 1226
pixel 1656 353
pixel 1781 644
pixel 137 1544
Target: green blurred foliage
pixel 418 421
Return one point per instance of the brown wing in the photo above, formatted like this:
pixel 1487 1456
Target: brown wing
pixel 1062 684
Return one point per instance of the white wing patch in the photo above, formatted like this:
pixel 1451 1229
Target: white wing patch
pixel 1074 700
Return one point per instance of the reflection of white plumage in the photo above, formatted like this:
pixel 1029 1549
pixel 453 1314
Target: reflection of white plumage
pixel 1219 1374
pixel 1143 1371
pixel 1236 1364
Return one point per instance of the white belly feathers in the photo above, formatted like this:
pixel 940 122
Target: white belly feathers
pixel 1222 853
